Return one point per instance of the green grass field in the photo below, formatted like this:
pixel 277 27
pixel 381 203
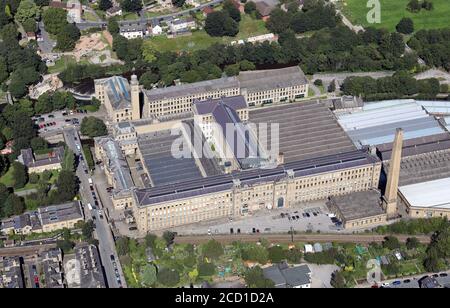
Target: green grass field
pixel 200 39
pixel 392 11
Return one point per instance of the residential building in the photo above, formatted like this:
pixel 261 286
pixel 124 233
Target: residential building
pixel 114 11
pixel 57 217
pixel 283 276
pixel 133 30
pixel 179 25
pixel 38 163
pixel 11 273
pixel 45 219
pixel 91 275
pixel 51 262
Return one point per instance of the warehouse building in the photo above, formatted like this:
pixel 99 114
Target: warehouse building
pixel 427 199
pixel 307 130
pixel 242 193
pixel 377 122
pixel 360 210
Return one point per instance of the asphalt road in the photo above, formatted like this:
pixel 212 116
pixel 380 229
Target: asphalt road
pixel 102 229
pixel 286 238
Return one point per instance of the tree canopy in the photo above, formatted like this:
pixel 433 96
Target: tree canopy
pixel 93 127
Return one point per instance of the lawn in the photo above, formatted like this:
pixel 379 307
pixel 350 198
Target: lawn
pixel 392 11
pixel 8 180
pixel 200 39
pixel 61 64
pixel 89 16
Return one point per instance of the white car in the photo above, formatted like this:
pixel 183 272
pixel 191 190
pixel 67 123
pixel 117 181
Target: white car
pixel 385 284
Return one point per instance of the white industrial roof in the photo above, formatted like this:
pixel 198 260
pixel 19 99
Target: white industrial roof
pixel 377 122
pixel 433 194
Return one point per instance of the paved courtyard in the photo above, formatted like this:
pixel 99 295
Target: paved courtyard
pixel 269 221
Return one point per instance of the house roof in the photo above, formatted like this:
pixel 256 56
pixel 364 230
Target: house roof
pixel 284 276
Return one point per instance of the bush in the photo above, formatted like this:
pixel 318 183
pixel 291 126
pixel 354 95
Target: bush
pixel 206 269
pixel 34 178
pixel 168 277
pixel 212 249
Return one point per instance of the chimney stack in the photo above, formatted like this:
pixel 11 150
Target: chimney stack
pixel 391 194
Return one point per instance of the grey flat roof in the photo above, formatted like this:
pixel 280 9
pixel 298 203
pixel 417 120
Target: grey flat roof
pixel 191 188
pixel 307 130
pixel 417 146
pixel 208 106
pixel 58 213
pixel 262 80
pixel 163 167
pixel 359 204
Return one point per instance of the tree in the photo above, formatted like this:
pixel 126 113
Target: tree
pixel 294 255
pixel 3 70
pixel 168 277
pixel 34 178
pixel 29 25
pixel 44 104
pixel 412 243
pixel 149 275
pixel 249 7
pixel 150 240
pixel 20 175
pixel 27 9
pixel 113 26
pixel 232 70
pixel 93 127
pixel 42 2
pixel 337 280
pixel 87 230
pixel 255 253
pixel 391 243
pixel 148 79
pixel 69 160
pixel 122 245
pixel 279 21
pixel 414 6
pixel 9 32
pixel 131 5
pixel 254 278
pixel 206 269
pixel 67 186
pixel 232 10
pixel 55 19
pixel 318 82
pixel 68 37
pixel 105 5
pixel 276 254
pixel 38 143
pixel 332 86
pixel 14 205
pixel 212 249
pixel 178 3
pixel 65 245
pixel 168 236
pixel 220 24
pixel 405 26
